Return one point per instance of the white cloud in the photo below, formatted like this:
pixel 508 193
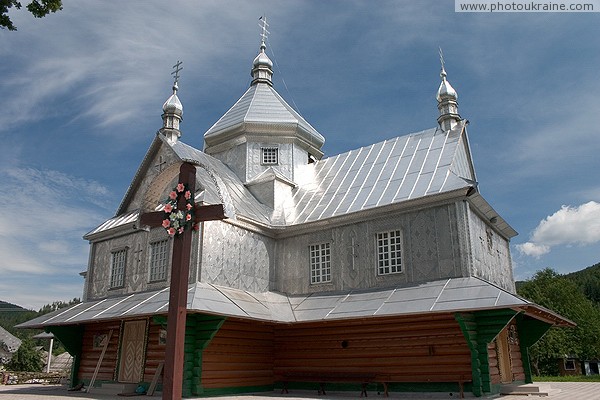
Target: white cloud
pixel 568 226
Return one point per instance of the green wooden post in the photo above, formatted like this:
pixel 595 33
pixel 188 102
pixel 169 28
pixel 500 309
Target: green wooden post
pixel 480 328
pixel 530 331
pixel 72 338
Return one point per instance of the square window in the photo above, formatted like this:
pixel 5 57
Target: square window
pixel 158 260
pixel 270 155
pixel 389 252
pixel 320 263
pixel 569 364
pixel 117 268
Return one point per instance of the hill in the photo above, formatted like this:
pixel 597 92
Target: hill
pixel 588 280
pixel 11 315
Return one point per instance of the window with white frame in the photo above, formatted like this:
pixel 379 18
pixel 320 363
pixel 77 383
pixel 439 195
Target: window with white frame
pixel 117 268
pixel 269 155
pixel 389 252
pixel 158 260
pixel 320 263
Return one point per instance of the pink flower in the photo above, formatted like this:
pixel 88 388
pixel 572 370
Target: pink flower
pixel 166 223
pixel 180 231
pixel 173 195
pixel 188 217
pixel 171 231
pixel 180 187
pixel 168 208
pixel 188 206
pixel 187 195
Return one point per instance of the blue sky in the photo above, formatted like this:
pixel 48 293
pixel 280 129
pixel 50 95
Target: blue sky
pixel 81 93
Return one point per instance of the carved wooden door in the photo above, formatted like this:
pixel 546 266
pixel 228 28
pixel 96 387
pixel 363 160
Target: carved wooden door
pixel 133 345
pixel 504 362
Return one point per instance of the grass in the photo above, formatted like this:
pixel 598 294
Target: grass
pixel 572 378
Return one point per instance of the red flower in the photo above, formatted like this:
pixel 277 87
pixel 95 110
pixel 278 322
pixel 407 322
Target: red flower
pixel 188 217
pixel 187 195
pixel 180 187
pixel 173 195
pixel 171 231
pixel 166 223
pixel 189 206
pixel 168 208
pixel 196 227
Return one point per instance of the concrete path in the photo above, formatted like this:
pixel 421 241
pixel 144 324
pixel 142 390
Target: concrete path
pixel 568 391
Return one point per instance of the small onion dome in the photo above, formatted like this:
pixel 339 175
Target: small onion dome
pixel 446 90
pixel 173 105
pixel 262 67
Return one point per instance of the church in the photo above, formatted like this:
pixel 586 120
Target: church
pixel 380 269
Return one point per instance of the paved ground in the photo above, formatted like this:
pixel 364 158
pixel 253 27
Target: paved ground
pixel 568 391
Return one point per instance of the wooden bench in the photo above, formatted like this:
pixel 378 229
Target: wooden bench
pixel 459 379
pixel 323 377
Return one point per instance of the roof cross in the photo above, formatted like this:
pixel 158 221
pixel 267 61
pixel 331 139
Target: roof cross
pixel 177 68
pixel 442 61
pixel 263 25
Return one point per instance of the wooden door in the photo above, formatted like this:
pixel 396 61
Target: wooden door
pixel 133 345
pixel 504 363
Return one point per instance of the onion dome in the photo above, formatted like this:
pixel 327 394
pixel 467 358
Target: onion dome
pixel 172 116
pixel 447 104
pixel 262 67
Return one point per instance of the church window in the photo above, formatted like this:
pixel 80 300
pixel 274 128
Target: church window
pixel 158 260
pixel 389 252
pixel 270 155
pixel 320 263
pixel 117 268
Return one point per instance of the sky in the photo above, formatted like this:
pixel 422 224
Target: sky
pixel 81 94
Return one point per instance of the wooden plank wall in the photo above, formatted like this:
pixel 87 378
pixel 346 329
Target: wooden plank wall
pixel 155 352
pixel 240 354
pixel 516 360
pixel 91 355
pixel 409 349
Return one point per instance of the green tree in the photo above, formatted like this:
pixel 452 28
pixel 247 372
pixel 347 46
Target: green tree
pixel 26 358
pixel 39 9
pixel 557 293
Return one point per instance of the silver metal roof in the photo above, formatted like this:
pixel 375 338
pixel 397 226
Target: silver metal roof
pixel 261 105
pixel 396 170
pixel 449 295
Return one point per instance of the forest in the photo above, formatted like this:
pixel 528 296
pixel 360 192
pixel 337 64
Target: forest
pixel 575 296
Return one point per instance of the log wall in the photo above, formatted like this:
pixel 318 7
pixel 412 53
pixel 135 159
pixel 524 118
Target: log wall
pixel 155 351
pixel 410 349
pixel 239 355
pixel 90 355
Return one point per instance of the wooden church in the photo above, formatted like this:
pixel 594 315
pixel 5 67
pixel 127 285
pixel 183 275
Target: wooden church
pixel 381 269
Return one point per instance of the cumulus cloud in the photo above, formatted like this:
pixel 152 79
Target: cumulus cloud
pixel 568 226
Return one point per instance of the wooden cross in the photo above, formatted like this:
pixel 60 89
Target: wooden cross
pixel 180 267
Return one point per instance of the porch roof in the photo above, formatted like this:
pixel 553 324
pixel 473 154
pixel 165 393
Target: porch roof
pixel 442 296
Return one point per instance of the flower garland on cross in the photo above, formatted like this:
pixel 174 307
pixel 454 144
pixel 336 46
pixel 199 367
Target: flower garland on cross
pixel 176 221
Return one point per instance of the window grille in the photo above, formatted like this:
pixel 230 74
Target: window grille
pixel 117 268
pixel 158 260
pixel 320 263
pixel 270 155
pixel 389 252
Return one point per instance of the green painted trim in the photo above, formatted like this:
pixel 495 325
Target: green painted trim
pixel 530 331
pixel 480 328
pixel 72 338
pixel 237 390
pixel 199 331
